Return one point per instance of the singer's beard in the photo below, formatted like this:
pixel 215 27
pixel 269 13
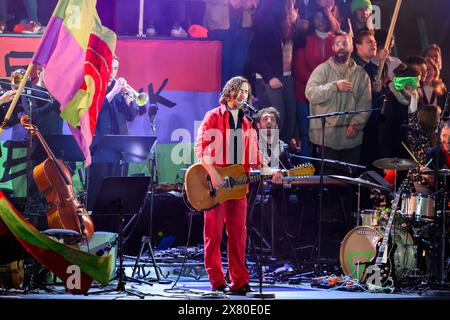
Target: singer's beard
pixel 341 57
pixel 238 104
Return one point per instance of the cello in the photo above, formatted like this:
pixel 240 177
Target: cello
pixel 54 180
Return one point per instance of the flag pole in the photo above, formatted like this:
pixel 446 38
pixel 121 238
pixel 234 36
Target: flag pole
pixel 16 98
pixel 387 44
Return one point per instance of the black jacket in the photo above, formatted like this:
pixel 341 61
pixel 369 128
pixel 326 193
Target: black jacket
pixel 265 52
pixel 113 116
pixel 45 115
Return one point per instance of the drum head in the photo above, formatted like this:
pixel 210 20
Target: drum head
pixel 404 255
pixel 357 249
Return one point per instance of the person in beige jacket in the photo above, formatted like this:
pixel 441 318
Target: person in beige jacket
pixel 336 85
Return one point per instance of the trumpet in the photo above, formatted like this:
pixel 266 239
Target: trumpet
pixel 141 98
pixel 15 81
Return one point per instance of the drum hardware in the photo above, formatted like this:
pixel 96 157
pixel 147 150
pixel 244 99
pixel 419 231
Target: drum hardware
pixel 360 183
pixel 440 172
pixel 418 207
pixel 396 164
pixel 369 217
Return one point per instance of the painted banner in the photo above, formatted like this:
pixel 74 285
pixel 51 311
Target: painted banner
pixel 182 78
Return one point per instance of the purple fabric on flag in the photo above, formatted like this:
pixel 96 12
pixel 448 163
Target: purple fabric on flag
pixel 48 41
pixel 65 67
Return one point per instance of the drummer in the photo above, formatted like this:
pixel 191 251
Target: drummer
pixel 440 152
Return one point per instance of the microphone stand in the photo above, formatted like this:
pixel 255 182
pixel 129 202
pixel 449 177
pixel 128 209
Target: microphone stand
pixel 341 163
pixel 260 294
pixel 323 120
pixel 443 192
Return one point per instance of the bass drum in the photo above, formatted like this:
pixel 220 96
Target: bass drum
pixel 359 247
pixel 357 250
pixel 11 275
pixel 405 255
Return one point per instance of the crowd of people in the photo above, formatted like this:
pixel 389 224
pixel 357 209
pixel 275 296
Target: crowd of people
pixel 13 19
pixel 312 57
pixel 315 57
pixel 304 59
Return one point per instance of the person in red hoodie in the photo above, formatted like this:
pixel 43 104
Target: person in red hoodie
pixel 318 49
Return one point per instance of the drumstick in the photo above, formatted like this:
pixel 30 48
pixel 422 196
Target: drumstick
pixel 428 163
pixel 410 153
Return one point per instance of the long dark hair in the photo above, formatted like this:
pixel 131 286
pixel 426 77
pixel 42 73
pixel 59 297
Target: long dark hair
pixel 274 16
pixel 312 18
pixel 231 89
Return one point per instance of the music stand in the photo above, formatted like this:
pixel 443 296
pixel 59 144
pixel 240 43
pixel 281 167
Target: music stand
pixel 63 146
pixel 122 149
pixel 118 196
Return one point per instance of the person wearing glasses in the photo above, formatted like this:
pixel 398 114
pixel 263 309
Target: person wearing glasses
pixel 337 85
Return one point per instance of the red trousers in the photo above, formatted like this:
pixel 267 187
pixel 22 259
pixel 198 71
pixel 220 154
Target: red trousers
pixel 234 214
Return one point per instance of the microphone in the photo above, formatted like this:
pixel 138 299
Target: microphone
pixel 106 249
pixel 444 115
pixel 381 116
pixel 249 106
pixel 445 110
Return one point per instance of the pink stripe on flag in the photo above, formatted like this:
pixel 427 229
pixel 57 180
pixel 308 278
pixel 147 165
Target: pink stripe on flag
pixel 64 72
pixel 83 136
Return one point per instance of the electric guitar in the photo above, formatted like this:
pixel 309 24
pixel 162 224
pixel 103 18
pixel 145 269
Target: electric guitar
pixel 202 196
pixel 382 265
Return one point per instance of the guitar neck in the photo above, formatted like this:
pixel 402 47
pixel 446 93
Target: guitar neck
pixel 383 245
pixel 304 170
pixel 256 178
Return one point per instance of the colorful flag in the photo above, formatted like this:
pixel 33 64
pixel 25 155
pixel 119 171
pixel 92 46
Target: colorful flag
pixel 57 257
pixel 76 52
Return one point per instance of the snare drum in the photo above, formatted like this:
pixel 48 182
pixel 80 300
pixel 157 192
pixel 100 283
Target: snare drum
pixel 425 208
pixel 409 205
pixel 369 217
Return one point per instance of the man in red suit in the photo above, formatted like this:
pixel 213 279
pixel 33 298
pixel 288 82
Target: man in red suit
pixel 226 137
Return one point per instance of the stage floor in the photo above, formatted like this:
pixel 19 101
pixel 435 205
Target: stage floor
pixel 192 299
pixel 188 288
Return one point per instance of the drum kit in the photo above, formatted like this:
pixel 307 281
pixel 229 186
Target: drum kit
pixel 412 230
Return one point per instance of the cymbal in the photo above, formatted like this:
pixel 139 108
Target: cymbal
pixel 361 182
pixel 395 164
pixel 440 172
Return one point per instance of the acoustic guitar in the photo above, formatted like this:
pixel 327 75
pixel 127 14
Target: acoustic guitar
pixel 202 196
